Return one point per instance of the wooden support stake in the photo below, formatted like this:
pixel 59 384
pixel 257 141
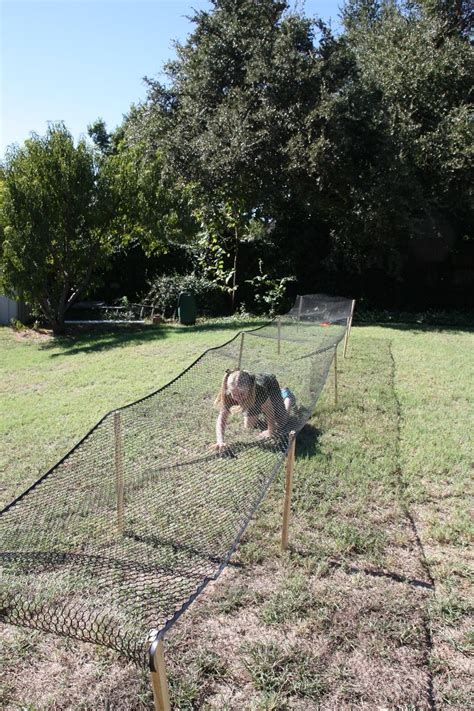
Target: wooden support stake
pixel 159 682
pixel 240 352
pixel 335 375
pixel 279 335
pixel 290 462
pixel 300 306
pixel 348 328
pixel 119 469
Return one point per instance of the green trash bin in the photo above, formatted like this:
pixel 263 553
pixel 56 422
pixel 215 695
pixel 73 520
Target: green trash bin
pixel 187 310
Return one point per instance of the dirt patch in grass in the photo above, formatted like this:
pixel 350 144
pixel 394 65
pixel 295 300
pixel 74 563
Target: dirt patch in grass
pixel 32 334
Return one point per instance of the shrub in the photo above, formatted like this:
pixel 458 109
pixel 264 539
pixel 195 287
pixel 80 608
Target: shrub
pixel 17 325
pixel 269 293
pixel 164 291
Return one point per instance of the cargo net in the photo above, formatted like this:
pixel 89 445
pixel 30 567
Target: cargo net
pixel 118 538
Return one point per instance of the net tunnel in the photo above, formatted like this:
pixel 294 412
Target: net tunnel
pixel 116 540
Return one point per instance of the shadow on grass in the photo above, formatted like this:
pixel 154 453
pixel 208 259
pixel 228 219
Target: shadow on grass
pixel 418 323
pixel 307 443
pixel 351 569
pixel 375 573
pixel 157 542
pixel 101 337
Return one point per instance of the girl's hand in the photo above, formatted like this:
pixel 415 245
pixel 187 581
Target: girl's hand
pixel 219 447
pixel 265 434
pixel 223 450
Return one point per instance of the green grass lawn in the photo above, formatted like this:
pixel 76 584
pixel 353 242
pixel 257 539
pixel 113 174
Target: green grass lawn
pixel 54 390
pixel 370 608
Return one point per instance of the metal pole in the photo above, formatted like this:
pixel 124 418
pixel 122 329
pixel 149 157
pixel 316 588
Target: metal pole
pixel 119 469
pixel 335 375
pixel 290 463
pixel 279 335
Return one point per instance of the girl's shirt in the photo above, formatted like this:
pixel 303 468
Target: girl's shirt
pixel 268 388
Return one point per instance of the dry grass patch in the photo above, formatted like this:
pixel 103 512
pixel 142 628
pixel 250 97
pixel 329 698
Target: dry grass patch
pixel 323 640
pixel 348 618
pixel 46 673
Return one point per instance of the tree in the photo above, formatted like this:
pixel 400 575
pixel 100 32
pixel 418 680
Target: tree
pixel 53 221
pixel 388 143
pixel 236 96
pixel 147 209
pixel 456 16
pixel 101 138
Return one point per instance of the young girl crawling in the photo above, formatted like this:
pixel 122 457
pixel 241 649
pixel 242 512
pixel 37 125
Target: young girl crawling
pixel 253 395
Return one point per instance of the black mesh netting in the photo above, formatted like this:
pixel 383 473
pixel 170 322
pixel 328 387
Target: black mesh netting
pixel 77 563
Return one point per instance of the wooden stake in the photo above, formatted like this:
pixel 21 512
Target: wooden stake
pixel 159 682
pixel 335 375
pixel 290 462
pixel 348 328
pixel 119 469
pixel 240 352
pixel 279 335
pixel 300 306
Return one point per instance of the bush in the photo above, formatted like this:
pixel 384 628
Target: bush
pixel 17 325
pixel 269 293
pixel 164 291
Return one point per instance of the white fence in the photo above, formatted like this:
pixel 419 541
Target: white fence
pixel 11 309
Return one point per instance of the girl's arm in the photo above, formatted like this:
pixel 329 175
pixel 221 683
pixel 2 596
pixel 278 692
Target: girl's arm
pixel 221 423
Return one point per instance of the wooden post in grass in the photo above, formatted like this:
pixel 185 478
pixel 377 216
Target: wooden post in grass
pixel 290 463
pixel 159 681
pixel 348 327
pixel 240 352
pixel 300 306
pixel 119 468
pixel 335 375
pixel 279 335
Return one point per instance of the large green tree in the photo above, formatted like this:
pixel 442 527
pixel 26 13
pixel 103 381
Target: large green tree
pixel 234 99
pixel 53 220
pixel 273 142
pixel 389 141
pixel 456 16
pixel 148 209
pixel 149 214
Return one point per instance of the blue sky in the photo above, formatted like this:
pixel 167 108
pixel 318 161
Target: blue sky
pixel 76 60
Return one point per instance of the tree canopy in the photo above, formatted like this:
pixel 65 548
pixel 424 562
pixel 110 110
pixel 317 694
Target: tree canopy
pixel 281 153
pixel 234 100
pixel 52 216
pixel 359 144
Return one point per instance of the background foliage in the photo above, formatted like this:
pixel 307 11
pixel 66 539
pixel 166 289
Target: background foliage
pixel 276 157
pixel 52 216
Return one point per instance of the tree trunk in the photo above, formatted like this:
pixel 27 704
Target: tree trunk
pixel 54 316
pixel 48 312
pixel 58 326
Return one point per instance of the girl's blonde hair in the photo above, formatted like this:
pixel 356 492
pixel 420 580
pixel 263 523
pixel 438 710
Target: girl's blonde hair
pixel 243 379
